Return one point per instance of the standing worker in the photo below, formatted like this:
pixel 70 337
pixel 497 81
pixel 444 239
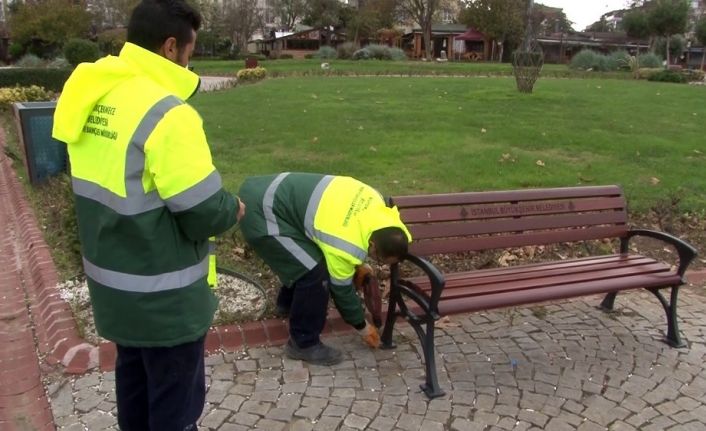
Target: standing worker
pixel 147 199
pixel 314 231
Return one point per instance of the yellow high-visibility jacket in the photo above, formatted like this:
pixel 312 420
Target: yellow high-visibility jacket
pixel 147 196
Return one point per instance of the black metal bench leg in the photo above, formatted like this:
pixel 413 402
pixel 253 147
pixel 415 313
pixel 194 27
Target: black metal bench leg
pixel 670 308
pixel 608 301
pixel 431 386
pixel 386 342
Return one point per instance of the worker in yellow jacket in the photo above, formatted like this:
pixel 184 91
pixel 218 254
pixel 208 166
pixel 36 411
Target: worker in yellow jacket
pixel 314 230
pixel 148 199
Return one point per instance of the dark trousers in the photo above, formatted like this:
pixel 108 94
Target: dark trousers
pixel 160 388
pixel 307 302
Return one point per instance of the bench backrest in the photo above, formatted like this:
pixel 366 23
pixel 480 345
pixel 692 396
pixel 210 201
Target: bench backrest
pixel 454 222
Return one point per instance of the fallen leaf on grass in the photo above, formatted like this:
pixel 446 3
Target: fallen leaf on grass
pixel 507 157
pixel 654 181
pixel 540 163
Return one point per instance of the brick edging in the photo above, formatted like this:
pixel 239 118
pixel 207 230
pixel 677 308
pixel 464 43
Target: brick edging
pixel 231 338
pixel 55 327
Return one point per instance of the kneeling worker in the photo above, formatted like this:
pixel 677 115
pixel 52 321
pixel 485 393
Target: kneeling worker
pixel 314 230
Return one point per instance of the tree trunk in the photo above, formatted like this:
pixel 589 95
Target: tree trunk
pixel 427 41
pixel 668 54
pixel 703 58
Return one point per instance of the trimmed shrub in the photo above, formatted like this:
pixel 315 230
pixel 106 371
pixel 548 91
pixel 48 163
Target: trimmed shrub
pixel 51 79
pixel 362 54
pixel 618 60
pixel 667 76
pixel 59 63
pixel 646 72
pixel 252 75
pixel 588 59
pixel 397 54
pixel 379 52
pixel 79 51
pixel 30 60
pixel 112 41
pixel 346 50
pixel 650 59
pixel 326 52
pixel 24 94
pixel 693 75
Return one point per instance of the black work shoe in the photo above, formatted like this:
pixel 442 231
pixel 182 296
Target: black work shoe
pixel 318 354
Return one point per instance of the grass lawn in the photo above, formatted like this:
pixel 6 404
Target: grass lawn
pixel 279 68
pixel 408 135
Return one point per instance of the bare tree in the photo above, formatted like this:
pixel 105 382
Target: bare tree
pixel 111 13
pixel 289 12
pixel 422 11
pixel 242 19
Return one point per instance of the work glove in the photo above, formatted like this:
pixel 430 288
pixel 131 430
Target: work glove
pixel 370 335
pixel 364 280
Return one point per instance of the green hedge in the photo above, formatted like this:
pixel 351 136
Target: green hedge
pixel 50 79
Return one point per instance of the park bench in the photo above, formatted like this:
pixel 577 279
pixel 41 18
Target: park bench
pixel 477 221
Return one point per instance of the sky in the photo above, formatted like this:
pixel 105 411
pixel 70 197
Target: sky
pixel 585 12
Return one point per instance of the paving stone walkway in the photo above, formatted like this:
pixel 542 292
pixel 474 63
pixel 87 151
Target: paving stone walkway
pixel 562 366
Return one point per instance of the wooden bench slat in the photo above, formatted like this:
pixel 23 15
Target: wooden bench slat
pixel 600 277
pixel 504 196
pixel 567 265
pixel 515 225
pixel 529 280
pixel 541 294
pixel 475 212
pixel 426 248
pixel 475 278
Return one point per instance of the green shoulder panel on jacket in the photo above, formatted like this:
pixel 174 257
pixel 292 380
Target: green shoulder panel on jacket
pixel 211 217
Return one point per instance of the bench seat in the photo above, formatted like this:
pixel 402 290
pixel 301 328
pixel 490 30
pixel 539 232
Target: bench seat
pixel 517 285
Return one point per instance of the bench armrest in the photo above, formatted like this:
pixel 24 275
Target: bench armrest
pixel 436 279
pixel 686 251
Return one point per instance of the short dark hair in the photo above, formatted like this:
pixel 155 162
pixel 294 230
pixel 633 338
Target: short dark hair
pixel 390 242
pixel 154 21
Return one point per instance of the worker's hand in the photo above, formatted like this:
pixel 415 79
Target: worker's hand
pixel 362 276
pixel 241 210
pixel 370 335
